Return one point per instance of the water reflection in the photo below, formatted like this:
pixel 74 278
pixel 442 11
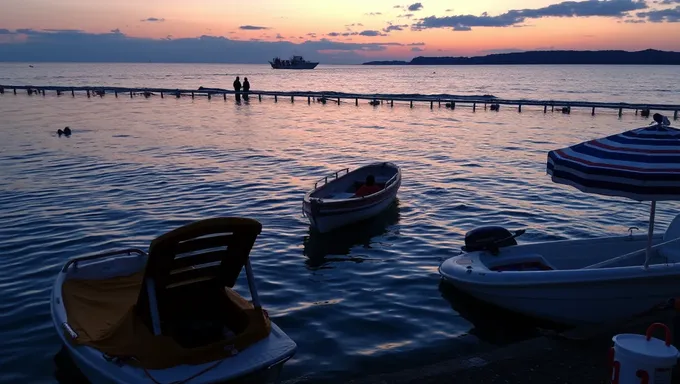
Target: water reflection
pixel 318 246
pixel 491 323
pixel 65 370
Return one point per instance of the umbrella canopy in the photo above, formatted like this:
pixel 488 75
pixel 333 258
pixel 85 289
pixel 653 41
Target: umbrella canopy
pixel 641 164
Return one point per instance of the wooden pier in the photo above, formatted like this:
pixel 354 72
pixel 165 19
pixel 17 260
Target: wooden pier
pixel 490 102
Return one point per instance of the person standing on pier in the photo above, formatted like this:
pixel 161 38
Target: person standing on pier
pixel 246 88
pixel 237 88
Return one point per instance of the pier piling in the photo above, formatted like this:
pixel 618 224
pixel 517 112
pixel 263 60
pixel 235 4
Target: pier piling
pixel 131 94
pixel 519 108
pixel 192 95
pixel 474 107
pixel 224 96
pixel 115 93
pixel 411 103
pixel 276 99
pixel 309 100
pixel 209 96
pixel 88 94
pixel 431 104
pixel 545 108
pixel 162 95
pixel 15 91
pixel 592 113
pixel 675 115
pixel 620 112
pixel 259 96
pixel 356 102
pixel 292 98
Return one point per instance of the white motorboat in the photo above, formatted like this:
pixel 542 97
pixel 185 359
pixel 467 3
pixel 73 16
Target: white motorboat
pixel 170 316
pixel 335 203
pixel 594 280
pixel 572 282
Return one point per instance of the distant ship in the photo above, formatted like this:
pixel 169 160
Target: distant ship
pixel 296 62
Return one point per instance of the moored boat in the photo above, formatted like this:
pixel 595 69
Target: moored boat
pixel 171 315
pixel 333 202
pixel 600 280
pixel 295 62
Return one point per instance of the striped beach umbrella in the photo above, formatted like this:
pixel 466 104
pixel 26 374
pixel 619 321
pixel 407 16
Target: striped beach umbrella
pixel 642 164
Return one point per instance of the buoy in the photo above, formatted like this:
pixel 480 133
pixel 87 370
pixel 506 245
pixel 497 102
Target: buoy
pixel 642 359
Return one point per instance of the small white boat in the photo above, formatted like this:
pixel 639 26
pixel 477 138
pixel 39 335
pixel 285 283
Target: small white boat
pixel 587 281
pixel 333 203
pixel 171 315
pixel 573 282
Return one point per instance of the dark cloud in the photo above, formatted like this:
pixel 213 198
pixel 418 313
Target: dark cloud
pixel 4 31
pixel 416 49
pixel 416 44
pixel 252 27
pixel 115 46
pixel 373 14
pixel 449 10
pixel 394 27
pixel 398 6
pixel 406 15
pixel 667 2
pixel 371 33
pixel 587 8
pixel 669 15
pixel 153 20
pixel 462 28
pixel 278 36
pixel 415 7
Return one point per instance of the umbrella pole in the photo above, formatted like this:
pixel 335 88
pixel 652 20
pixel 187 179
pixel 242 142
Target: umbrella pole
pixel 652 212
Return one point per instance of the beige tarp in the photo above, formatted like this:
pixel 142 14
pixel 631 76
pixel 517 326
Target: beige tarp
pixel 102 313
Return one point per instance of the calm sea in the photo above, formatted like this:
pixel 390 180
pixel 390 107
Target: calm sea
pixel 357 301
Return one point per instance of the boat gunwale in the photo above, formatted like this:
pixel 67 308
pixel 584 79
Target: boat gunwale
pixel 394 182
pixel 487 277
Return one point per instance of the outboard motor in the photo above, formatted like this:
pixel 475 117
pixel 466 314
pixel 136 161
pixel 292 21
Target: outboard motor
pixel 490 238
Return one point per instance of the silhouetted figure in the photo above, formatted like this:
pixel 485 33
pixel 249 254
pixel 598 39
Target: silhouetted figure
pixel 246 88
pixel 237 88
pixel 368 188
pixel 66 131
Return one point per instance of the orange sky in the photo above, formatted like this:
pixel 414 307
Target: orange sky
pixel 292 19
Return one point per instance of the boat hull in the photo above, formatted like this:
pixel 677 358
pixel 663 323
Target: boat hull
pixel 570 296
pixel 326 215
pixel 260 363
pixel 296 66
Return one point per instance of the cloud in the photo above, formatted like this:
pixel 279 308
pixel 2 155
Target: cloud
pixel 406 15
pixel 449 10
pixel 415 7
pixel 416 49
pixel 373 14
pixel 416 44
pixel 4 31
pixel 463 28
pixel 393 27
pixel 587 8
pixel 667 2
pixel 252 28
pixel 669 15
pixel 278 36
pixel 115 46
pixel 153 20
pixel 371 33
pixel 398 6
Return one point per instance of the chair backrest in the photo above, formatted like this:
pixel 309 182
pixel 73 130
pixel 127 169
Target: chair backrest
pixel 210 250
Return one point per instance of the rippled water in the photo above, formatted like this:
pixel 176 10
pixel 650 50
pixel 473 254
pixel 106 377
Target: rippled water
pixel 354 301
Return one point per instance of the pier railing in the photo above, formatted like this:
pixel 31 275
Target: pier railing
pixel 490 102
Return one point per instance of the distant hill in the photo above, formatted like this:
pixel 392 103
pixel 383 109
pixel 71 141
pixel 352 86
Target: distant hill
pixel 646 57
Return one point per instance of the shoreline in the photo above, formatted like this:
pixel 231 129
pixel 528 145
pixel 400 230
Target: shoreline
pixel 578 355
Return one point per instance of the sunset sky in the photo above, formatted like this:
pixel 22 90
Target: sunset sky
pixel 349 31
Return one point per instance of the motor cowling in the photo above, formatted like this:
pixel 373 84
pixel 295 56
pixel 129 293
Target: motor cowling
pixel 489 238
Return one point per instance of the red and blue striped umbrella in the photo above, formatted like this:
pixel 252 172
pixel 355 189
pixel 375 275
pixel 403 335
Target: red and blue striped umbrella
pixel 641 164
